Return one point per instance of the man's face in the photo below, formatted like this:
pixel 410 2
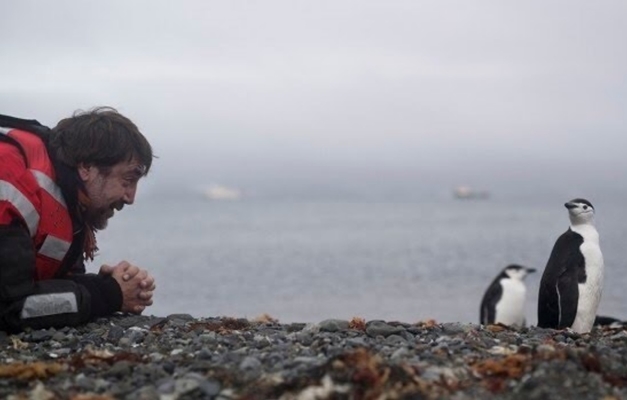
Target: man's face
pixel 108 193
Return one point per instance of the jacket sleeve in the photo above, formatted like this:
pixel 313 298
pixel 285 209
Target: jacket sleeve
pixel 50 303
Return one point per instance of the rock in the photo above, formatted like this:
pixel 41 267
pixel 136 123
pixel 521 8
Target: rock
pixel 356 342
pixel 380 328
pixel 395 340
pixel 455 328
pixel 180 317
pixel 58 337
pixel 132 336
pixel 168 367
pixel 250 363
pixel 176 352
pixel 305 338
pixel 261 341
pixel 155 322
pixel 204 354
pixel 210 387
pixel 208 338
pixel 295 327
pixel 115 334
pixel 41 393
pixel 120 369
pixel 545 349
pixel 187 383
pixel 132 320
pixel 333 325
pixel 399 353
pixel 146 393
pixel 40 335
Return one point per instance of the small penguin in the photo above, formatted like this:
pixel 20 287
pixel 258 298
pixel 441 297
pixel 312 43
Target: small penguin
pixel 504 301
pixel 572 282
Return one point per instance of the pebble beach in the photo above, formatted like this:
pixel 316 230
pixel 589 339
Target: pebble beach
pixel 182 357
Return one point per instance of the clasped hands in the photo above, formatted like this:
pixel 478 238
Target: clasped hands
pixel 137 285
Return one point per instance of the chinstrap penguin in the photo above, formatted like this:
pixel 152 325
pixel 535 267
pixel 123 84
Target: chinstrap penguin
pixel 572 282
pixel 504 300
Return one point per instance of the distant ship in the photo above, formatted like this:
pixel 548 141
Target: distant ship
pixel 468 193
pixel 219 192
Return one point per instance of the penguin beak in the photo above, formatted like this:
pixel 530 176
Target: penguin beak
pixel 570 206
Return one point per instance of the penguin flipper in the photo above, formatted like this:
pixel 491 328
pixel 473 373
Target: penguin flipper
pixel 557 303
pixel 548 308
pixel 559 293
pixel 568 297
pixel 488 304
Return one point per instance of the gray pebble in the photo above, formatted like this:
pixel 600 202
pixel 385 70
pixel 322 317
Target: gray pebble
pixel 333 325
pixel 250 363
pixel 187 383
pixel 59 336
pixel 204 354
pixel 120 369
pixel 356 342
pixel 145 393
pixel 166 386
pixel 381 328
pixel 210 387
pixel 180 317
pixel 40 335
pixel 395 340
pixel 115 334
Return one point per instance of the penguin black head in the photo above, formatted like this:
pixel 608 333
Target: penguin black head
pixel 517 272
pixel 580 211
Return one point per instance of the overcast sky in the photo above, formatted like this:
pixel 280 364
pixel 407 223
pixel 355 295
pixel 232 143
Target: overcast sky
pixel 325 93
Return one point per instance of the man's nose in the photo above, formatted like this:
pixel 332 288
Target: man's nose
pixel 129 195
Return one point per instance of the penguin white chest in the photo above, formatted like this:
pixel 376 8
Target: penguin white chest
pixel 510 310
pixel 589 291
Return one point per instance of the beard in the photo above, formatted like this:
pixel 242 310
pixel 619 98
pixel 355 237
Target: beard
pixel 99 218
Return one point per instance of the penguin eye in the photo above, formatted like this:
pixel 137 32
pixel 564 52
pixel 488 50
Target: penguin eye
pixel 585 207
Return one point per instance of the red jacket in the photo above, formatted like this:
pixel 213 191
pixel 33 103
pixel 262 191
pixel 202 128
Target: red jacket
pixel 30 195
pixel 40 244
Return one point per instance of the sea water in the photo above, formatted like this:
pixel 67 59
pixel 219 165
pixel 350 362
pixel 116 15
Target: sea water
pixel 301 261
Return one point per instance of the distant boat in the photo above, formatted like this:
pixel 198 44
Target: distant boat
pixel 219 192
pixel 468 193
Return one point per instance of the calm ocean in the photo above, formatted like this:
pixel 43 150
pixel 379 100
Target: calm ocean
pixel 309 261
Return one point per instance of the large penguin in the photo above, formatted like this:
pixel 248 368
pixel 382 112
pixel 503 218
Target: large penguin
pixel 504 300
pixel 571 286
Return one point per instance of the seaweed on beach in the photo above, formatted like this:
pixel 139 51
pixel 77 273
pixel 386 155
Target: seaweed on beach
pixel 31 370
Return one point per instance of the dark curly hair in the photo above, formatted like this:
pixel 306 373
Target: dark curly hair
pixel 101 137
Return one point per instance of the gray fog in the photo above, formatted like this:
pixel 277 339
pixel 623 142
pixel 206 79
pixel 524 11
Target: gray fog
pixel 301 99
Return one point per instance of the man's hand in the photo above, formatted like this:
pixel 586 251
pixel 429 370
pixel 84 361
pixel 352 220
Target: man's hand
pixel 128 269
pixel 137 285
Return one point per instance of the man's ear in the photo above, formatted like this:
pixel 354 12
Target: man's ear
pixel 85 171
